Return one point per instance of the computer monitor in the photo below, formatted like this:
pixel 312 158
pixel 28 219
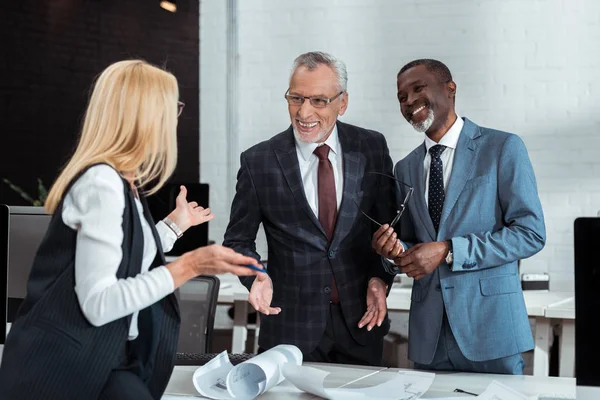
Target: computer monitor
pixel 587 300
pixel 4 227
pixel 26 229
pixel 163 202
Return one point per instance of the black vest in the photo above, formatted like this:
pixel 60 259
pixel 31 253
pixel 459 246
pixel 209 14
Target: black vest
pixel 52 351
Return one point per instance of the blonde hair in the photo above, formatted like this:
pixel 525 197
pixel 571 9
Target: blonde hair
pixel 130 124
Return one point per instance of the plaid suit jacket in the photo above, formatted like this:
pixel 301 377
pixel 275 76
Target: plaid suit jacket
pixel 301 260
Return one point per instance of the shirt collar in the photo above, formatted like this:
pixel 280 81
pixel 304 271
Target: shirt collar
pixel 306 149
pixel 450 139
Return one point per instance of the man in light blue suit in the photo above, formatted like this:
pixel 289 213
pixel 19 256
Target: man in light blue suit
pixel 474 214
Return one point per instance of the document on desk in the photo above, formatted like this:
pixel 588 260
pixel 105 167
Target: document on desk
pixel 407 385
pixel 219 379
pixel 496 391
pixel 416 383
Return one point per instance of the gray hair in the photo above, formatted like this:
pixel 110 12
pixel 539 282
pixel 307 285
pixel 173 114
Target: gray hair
pixel 313 59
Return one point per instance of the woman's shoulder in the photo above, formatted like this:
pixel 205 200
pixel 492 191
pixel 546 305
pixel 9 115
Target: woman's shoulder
pixel 102 171
pixel 98 176
pixel 98 185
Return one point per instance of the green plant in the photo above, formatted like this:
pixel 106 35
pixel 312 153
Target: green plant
pixel 42 192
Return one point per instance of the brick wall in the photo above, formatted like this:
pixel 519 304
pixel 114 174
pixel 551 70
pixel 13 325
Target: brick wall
pixel 52 50
pixel 213 112
pixel 528 67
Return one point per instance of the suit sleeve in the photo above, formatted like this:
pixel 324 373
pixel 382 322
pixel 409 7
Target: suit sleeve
pixel 245 218
pixel 524 232
pixel 384 206
pixel 406 230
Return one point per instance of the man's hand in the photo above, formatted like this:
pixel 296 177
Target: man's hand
pixel 386 243
pixel 422 259
pixel 261 294
pixel 376 304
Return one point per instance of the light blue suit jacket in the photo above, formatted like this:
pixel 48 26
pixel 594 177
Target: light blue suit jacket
pixel 492 214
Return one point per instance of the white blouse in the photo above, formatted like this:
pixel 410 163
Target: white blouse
pixel 94 207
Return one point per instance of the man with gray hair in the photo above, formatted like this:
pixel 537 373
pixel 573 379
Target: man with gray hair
pixel 325 288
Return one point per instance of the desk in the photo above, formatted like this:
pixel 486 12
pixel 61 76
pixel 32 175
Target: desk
pixel 232 292
pixel 341 375
pixel 588 393
pixel 537 303
pixel 564 312
pixel 443 384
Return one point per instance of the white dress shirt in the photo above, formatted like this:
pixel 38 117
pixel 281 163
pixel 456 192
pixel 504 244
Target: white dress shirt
pixel 309 167
pixel 450 140
pixel 94 207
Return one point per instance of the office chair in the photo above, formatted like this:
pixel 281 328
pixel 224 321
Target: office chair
pixel 198 305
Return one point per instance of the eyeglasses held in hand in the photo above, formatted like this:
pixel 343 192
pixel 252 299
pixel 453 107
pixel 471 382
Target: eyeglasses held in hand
pixel 180 105
pixel 402 206
pixel 315 101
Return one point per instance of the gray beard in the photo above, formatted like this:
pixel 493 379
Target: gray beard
pixel 316 139
pixel 426 124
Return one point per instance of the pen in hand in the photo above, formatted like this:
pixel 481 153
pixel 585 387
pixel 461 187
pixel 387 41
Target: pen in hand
pixel 464 391
pixel 255 268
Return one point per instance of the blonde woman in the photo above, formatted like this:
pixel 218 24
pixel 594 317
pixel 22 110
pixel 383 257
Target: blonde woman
pixel 100 319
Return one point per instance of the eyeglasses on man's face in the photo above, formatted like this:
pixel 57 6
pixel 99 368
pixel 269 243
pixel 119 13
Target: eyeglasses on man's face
pixel 315 101
pixel 180 105
pixel 402 206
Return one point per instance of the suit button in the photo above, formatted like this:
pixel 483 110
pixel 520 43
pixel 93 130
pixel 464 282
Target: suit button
pixel 331 254
pixel 327 289
pixel 438 288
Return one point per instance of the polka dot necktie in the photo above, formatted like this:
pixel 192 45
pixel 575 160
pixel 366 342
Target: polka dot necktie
pixel 435 196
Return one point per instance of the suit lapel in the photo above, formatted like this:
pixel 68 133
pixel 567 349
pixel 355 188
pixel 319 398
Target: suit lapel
pixel 466 152
pixel 285 151
pixel 416 175
pixel 353 172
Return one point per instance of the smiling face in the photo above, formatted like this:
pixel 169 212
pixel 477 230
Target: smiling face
pixel 425 102
pixel 313 125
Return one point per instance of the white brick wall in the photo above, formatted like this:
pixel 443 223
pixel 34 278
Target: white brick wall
pixel 525 66
pixel 213 107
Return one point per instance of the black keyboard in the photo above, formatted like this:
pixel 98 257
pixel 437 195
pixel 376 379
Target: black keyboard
pixel 203 358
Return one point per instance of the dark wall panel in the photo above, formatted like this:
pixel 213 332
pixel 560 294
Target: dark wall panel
pixel 50 52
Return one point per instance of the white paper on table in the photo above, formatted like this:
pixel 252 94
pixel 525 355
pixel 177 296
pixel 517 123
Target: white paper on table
pixel 219 379
pixel 209 380
pixel 449 398
pixel 311 380
pixel 416 383
pixel 498 391
pixel 495 391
